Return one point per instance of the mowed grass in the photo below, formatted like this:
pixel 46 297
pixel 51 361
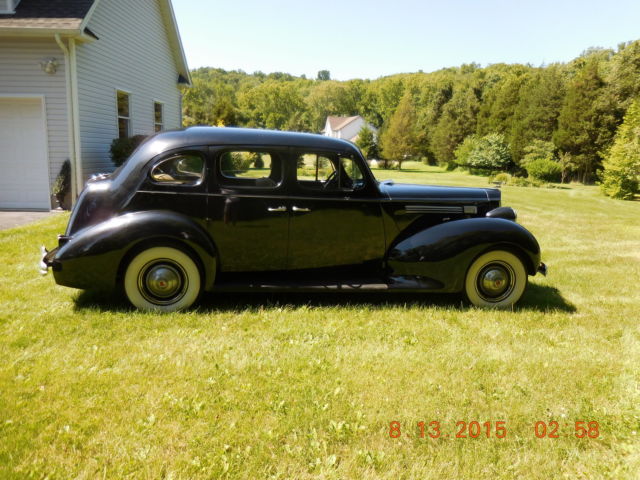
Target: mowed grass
pixel 296 386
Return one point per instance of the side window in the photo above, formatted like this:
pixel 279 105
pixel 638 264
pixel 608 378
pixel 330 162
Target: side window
pixel 181 169
pixel 246 168
pixel 352 176
pixel 327 173
pixel 314 170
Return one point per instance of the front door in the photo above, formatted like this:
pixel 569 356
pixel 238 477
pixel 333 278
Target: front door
pixel 248 211
pixel 335 221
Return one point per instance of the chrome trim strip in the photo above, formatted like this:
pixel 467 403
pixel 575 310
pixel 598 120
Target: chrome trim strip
pixel 432 209
pixel 382 200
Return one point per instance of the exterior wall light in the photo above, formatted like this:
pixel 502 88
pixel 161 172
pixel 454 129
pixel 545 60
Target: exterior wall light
pixel 49 65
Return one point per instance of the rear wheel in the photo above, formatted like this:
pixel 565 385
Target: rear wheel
pixel 162 279
pixel 496 279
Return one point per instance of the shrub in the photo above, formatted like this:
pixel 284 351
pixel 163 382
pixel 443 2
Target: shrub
pixel 62 185
pixel 237 162
pixel 484 154
pixel 502 177
pixel 122 148
pixel 544 169
pixel 513 180
pixel 525 182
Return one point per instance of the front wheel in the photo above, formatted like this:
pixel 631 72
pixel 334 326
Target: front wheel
pixel 496 279
pixel 162 279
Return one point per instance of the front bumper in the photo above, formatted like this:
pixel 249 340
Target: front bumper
pixel 542 268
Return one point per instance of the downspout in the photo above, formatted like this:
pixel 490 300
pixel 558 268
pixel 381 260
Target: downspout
pixel 76 113
pixel 73 113
pixel 71 123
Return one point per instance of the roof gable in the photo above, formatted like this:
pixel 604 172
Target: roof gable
pixel 37 17
pixel 338 123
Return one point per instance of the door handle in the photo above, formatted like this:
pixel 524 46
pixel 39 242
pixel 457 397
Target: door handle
pixel 277 209
pixel 301 209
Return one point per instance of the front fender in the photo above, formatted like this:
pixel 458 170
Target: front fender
pixel 92 257
pixel 444 252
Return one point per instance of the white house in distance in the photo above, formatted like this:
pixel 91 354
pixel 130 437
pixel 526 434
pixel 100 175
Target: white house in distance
pixel 74 75
pixel 346 128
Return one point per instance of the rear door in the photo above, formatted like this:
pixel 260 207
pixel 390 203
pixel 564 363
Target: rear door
pixel 248 210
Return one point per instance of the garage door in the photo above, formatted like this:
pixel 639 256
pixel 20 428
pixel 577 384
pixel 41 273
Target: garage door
pixel 24 172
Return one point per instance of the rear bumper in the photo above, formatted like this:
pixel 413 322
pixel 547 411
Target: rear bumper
pixel 47 260
pixel 90 272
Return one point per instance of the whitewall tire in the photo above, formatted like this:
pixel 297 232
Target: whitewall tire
pixel 496 279
pixel 162 279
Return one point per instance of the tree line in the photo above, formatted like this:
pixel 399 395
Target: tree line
pixel 574 121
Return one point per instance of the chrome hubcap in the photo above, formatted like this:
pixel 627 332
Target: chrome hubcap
pixel 162 282
pixel 495 282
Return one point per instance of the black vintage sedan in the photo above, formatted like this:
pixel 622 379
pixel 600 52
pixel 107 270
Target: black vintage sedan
pixel 215 209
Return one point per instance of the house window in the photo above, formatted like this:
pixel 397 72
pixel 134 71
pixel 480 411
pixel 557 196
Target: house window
pixel 124 114
pixel 158 116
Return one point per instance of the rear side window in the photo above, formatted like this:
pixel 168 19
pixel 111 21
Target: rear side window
pixel 181 169
pixel 246 168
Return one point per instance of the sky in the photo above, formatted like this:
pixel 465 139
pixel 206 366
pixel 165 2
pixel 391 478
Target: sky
pixel 368 39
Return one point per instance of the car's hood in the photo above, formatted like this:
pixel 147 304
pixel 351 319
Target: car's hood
pixel 435 193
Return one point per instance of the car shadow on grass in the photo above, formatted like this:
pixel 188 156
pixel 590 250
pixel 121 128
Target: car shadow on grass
pixel 544 298
pixel 539 298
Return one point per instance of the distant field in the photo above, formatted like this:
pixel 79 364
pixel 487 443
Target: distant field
pixel 300 387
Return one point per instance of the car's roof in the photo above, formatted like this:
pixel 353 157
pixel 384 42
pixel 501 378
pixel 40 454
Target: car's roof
pixel 249 136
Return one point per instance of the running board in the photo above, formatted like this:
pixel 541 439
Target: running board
pixel 356 285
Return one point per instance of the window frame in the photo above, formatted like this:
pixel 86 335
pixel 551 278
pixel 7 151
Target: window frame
pixel 122 117
pixel 155 121
pixel 171 156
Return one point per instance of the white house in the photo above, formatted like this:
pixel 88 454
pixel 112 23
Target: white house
pixel 74 75
pixel 346 128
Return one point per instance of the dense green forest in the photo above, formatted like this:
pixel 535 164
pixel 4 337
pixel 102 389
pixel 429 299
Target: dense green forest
pixel 555 122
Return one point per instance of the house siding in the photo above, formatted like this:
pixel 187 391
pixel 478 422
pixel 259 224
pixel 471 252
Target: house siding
pixel 21 74
pixel 132 54
pixel 352 129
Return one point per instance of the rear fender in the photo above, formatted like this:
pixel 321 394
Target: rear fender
pixel 444 252
pixel 91 259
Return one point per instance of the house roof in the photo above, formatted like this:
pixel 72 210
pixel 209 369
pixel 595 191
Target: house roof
pixel 70 17
pixel 48 14
pixel 338 123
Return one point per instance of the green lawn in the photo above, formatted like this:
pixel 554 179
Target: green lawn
pixel 293 386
